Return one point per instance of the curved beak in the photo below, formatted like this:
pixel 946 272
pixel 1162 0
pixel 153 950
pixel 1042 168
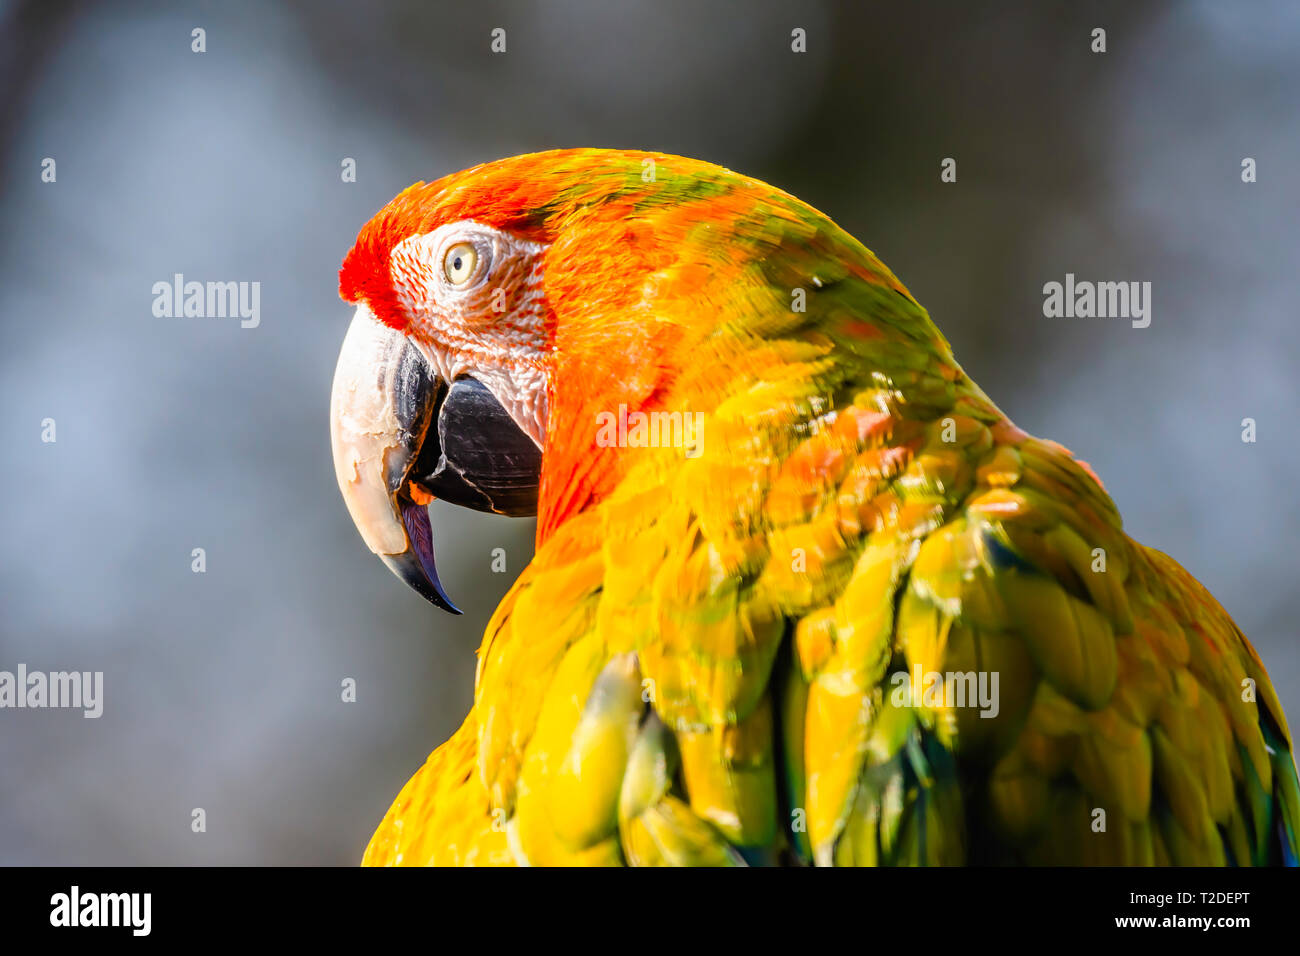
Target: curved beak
pixel 402 436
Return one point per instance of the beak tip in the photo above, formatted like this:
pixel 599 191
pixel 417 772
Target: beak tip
pixel 410 569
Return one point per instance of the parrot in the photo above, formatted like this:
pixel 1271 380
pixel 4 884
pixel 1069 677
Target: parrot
pixel 801 593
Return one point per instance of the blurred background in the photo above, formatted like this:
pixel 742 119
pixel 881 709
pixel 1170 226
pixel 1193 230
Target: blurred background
pixel 222 689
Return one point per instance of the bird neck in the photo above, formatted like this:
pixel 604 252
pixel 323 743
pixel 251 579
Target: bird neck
pixel 735 407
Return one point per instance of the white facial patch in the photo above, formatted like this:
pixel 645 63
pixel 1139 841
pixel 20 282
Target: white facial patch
pixel 474 295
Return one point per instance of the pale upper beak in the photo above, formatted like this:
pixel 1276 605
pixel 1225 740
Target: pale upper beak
pixel 401 436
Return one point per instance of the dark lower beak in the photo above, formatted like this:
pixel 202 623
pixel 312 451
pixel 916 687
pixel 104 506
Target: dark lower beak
pixel 415 565
pixel 402 436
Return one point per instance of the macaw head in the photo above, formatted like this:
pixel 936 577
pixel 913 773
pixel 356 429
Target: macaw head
pixel 502 310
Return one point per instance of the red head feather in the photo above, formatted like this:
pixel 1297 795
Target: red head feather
pixel 647 256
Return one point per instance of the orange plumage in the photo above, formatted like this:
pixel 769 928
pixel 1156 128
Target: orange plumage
pixel 713 657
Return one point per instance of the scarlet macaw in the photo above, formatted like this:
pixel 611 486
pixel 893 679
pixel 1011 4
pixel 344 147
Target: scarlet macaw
pixel 801 591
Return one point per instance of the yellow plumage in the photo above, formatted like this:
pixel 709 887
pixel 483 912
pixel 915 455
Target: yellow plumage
pixel 716 661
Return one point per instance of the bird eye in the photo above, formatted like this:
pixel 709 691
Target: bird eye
pixel 459 263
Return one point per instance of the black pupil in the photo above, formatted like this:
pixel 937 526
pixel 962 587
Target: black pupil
pixel 455 264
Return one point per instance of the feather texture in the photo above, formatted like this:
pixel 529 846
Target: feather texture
pixel 725 657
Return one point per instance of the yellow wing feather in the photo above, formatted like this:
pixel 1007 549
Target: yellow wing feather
pixel 870 622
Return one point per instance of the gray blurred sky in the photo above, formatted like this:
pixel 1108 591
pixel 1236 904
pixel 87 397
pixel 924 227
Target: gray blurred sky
pixel 222 689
